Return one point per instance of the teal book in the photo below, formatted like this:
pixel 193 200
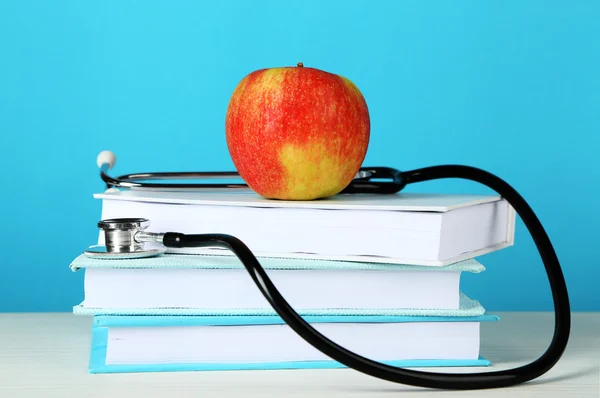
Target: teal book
pixel 132 344
pixel 179 284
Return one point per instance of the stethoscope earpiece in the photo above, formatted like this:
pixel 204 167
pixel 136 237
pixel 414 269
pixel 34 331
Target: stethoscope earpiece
pixel 106 158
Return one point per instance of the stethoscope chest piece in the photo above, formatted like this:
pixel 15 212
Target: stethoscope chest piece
pixel 124 238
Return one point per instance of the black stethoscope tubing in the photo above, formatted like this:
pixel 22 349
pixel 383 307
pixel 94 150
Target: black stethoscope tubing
pixel 364 184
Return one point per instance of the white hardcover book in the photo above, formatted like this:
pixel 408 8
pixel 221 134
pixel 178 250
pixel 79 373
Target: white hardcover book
pixel 406 228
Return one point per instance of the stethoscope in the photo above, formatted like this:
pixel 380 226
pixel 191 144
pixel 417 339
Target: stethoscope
pixel 126 237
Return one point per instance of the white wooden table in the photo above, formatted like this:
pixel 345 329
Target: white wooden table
pixel 46 355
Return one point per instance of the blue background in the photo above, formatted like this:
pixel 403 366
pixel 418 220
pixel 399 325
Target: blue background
pixel 512 87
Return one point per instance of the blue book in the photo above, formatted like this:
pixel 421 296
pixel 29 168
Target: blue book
pixel 126 344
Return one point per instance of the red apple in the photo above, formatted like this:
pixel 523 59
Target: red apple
pixel 297 133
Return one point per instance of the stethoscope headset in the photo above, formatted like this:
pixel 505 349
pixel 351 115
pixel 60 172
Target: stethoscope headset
pixel 124 239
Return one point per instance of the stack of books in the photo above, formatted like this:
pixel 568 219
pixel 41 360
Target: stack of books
pixel 377 274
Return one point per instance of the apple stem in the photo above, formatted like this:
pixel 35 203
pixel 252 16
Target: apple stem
pixel 300 64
